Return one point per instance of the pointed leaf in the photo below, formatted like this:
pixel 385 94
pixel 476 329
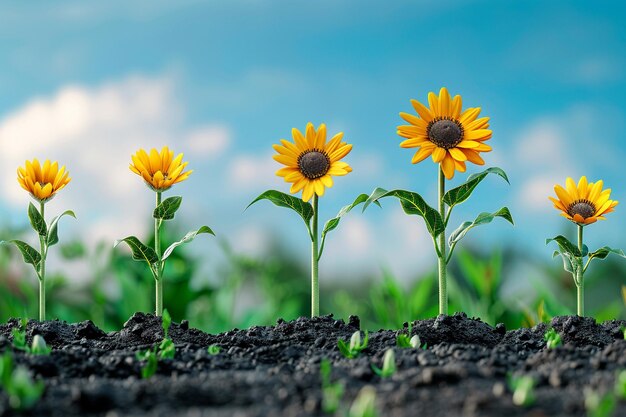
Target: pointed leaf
pixel 412 203
pixel 36 220
pixel 334 222
pixel 30 254
pixel 482 218
pixel 303 208
pixel 53 236
pixel 186 239
pixel 140 251
pixel 464 191
pixel 605 251
pixel 167 208
pixel 565 245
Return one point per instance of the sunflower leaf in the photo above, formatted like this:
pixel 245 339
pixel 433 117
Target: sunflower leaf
pixel 303 208
pixel 167 208
pixel 565 246
pixel 36 220
pixel 412 203
pixel 461 193
pixel 482 218
pixel 30 254
pixel 140 251
pixel 53 237
pixel 186 239
pixel 334 222
pixel 605 251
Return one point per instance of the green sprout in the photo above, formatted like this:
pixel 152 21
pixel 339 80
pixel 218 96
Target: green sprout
pixel 389 365
pixel 331 391
pixel 523 388
pixel 583 204
pixel 39 346
pixel 598 405
pixel 42 182
pixel 22 391
pixel 452 138
pixel 164 350
pixel 160 171
pixel 364 404
pixel 407 341
pixel 213 349
pixel 355 346
pixel 311 162
pixel 19 336
pixel 552 338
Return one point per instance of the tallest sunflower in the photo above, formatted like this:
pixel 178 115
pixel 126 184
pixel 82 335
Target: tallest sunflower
pixel 446 132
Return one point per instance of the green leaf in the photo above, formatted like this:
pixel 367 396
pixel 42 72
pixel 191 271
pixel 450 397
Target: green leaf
pixel 36 220
pixel 482 218
pixel 167 349
pixel 412 203
pixel 166 321
pixel 334 222
pixel 565 245
pixel 30 254
pixel 140 251
pixel 186 239
pixel 461 193
pixel 167 208
pixel 53 237
pixel 605 251
pixel 303 208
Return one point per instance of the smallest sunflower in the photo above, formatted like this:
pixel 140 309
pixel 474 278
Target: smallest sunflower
pixel 159 170
pixel 584 203
pixel 42 182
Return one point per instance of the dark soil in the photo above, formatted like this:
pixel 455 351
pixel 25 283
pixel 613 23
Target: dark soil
pixel 275 371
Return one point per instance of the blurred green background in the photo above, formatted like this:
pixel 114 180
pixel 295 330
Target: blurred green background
pixel 496 285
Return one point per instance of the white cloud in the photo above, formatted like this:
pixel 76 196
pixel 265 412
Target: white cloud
pixel 208 141
pixel 249 172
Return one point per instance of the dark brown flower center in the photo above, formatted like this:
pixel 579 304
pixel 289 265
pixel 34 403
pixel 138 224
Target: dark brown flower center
pixel 314 164
pixel 445 133
pixel 583 207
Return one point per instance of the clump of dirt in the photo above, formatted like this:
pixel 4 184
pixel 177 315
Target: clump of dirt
pixel 275 370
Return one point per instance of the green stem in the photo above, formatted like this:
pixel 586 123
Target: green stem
pixel 580 285
pixel 159 269
pixel 315 288
pixel 443 285
pixel 42 270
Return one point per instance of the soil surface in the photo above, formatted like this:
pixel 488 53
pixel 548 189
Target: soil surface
pixel 275 370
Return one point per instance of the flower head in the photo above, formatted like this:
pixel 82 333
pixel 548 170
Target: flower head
pixel 583 204
pixel 311 161
pixel 159 170
pixel 42 182
pixel 445 132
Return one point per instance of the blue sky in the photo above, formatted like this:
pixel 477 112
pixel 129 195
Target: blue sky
pixel 88 83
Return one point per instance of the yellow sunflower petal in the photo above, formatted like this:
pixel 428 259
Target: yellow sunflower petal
pixel 439 154
pixel 469 115
pixel 447 166
pixel 299 139
pixel 319 187
pixel 155 161
pixel 476 134
pixel 582 188
pixel 340 153
pixel 321 136
pixel 570 186
pixel 473 156
pixel 468 144
pixel 456 106
pixel 414 142
pixel 311 136
pixel 334 142
pixel 422 154
pixel 444 102
pixel 557 203
pixel 37 169
pixel 286 171
pixel 433 102
pixel 327 180
pixel 308 191
pixel 563 195
pixel 595 191
pixel 422 110
pixel 457 154
pixel 288 160
pixel 298 185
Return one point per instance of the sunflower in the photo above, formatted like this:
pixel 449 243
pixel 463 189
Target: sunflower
pixel 583 204
pixel 311 161
pixel 42 182
pixel 159 170
pixel 450 135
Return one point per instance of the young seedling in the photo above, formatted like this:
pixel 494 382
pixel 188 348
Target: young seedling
pixel 310 163
pixel 39 346
pixel 331 391
pixel 389 365
pixel 407 341
pixel 552 338
pixel 355 346
pixel 22 391
pixel 523 388
pixel 160 171
pixel 582 204
pixel 364 404
pixel 452 137
pixel 42 182
pixel 165 350
pixel 19 336
pixel 214 350
pixel 598 405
